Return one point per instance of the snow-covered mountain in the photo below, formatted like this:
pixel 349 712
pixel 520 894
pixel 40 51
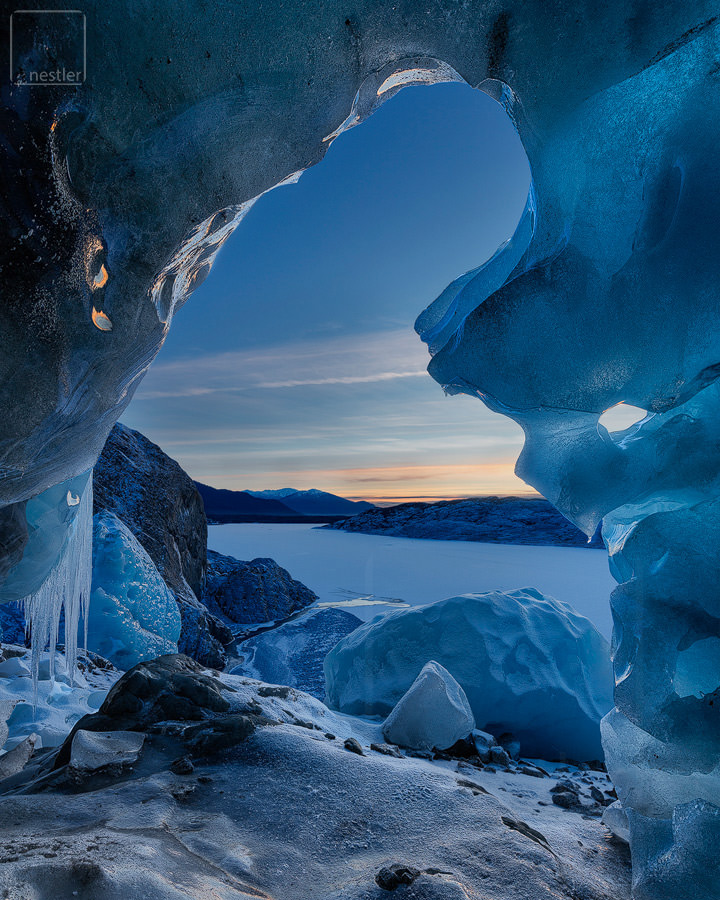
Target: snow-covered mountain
pixel 314 502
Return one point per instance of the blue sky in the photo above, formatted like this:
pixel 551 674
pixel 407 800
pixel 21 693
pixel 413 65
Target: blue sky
pixel 296 363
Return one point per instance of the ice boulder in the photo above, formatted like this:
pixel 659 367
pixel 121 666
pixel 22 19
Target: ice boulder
pixel 528 664
pixel 433 712
pixel 133 614
pixel 91 750
pixel 293 654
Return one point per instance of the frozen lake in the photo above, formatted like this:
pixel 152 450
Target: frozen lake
pixel 368 574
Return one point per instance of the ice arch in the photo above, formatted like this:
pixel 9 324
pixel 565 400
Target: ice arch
pixel 116 195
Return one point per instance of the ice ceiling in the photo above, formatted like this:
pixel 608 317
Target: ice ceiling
pixel 117 194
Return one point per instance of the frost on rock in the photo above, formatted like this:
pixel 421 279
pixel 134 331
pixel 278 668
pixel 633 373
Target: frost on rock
pixel 133 613
pixel 433 712
pixel 117 194
pixel 528 664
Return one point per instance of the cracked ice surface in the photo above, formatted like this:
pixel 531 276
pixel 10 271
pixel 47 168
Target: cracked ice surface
pixel 116 195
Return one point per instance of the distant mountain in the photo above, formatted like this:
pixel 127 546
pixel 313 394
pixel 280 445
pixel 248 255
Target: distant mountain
pixel 494 520
pixel 220 504
pixel 314 502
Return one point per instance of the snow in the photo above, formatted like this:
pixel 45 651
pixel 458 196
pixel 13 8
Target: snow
pixel 290 813
pixel 369 574
pixel 433 712
pixel 58 704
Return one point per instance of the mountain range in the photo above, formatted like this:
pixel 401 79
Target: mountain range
pixel 286 503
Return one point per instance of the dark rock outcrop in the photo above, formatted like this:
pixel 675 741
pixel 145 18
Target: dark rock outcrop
pixel 493 520
pixel 158 501
pixel 256 591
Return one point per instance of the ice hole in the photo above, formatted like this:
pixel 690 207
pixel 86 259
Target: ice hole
pixel 697 671
pixel 621 416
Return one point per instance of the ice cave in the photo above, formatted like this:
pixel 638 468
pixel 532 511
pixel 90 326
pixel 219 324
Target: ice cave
pixel 117 193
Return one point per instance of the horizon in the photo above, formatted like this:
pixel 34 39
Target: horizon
pixel 388 501
pixel 296 361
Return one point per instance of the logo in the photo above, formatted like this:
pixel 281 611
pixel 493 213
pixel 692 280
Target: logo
pixel 48 47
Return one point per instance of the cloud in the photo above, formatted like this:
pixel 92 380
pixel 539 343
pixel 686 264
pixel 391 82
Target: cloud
pixel 347 360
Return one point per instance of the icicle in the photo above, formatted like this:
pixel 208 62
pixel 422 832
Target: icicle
pixel 67 586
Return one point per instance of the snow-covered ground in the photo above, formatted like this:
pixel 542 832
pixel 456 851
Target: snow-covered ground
pixel 369 574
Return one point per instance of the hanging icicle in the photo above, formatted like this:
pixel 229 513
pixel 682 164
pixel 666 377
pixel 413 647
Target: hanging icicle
pixel 66 587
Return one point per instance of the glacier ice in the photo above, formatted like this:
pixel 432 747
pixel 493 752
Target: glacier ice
pixel 293 653
pixel 433 712
pixel 133 614
pixel 117 194
pixel 528 664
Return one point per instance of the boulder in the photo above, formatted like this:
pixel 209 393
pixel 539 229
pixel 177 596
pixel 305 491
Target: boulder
pixel 434 712
pixel 256 591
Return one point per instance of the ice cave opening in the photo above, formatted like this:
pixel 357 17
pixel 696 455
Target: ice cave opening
pixel 604 295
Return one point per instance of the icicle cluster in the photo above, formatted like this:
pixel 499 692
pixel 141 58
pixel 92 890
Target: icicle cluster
pixel 67 588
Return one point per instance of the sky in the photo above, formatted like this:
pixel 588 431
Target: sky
pixel 295 364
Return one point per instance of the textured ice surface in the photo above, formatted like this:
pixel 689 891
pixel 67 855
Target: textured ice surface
pixel 50 710
pixel 433 712
pixel 95 749
pixel 294 653
pixel 528 664
pixel 133 613
pixel 117 194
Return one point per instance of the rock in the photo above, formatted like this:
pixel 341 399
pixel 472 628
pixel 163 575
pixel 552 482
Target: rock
pixel 528 664
pixel 202 636
pixel 615 819
pixel 256 591
pixel 15 760
pixel 133 614
pixel 220 734
pixel 566 794
pixel 434 712
pixel 157 500
pixel 484 742
pixel 182 766
pixel 353 745
pixel 391 877
pixel 159 503
pixel 387 750
pixel 294 653
pixel 499 756
pixel 496 520
pixel 93 750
